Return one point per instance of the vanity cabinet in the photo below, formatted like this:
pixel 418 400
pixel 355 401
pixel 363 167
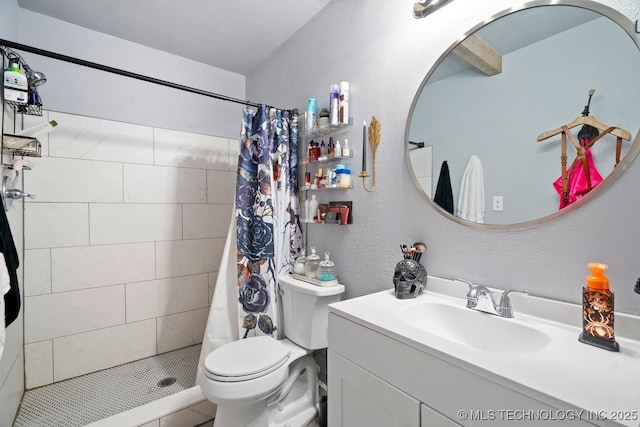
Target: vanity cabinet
pixel 379 380
pixel 358 398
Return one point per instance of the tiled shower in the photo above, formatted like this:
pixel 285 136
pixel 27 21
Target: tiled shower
pixel 122 243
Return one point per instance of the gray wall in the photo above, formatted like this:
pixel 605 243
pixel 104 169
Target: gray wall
pixel 385 53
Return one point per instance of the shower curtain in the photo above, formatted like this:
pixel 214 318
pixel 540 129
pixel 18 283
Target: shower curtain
pixel 264 236
pixel 269 236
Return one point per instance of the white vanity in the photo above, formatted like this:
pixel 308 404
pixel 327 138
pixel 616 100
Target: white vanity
pixel 430 361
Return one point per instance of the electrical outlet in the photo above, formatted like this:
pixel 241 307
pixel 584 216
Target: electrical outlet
pixel 498 203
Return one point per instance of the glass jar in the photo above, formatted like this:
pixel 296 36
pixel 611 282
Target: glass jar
pixel 299 267
pixel 311 266
pixel 327 269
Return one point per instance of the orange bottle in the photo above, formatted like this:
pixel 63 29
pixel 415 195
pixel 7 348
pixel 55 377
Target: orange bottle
pixel 597 310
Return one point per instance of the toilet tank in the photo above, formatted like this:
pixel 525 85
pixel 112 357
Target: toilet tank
pixel 305 308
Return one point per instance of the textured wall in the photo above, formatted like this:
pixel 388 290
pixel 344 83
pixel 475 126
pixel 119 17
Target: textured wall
pixel 385 53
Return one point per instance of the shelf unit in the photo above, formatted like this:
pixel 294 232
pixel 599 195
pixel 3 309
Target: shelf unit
pixel 27 146
pixel 308 164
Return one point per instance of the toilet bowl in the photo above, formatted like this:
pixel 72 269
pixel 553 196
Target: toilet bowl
pixel 265 382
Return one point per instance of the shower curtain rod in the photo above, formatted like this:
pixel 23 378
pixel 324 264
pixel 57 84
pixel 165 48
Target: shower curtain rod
pixel 118 71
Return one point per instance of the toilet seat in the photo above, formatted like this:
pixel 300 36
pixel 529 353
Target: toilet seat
pixel 246 359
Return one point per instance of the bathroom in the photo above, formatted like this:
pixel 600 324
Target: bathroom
pixel 548 259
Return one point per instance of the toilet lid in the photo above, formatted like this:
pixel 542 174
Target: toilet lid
pixel 246 359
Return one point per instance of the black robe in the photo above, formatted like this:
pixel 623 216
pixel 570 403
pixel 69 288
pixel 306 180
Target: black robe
pixel 8 249
pixel 444 193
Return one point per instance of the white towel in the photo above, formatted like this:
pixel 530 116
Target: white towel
pixel 5 285
pixel 471 197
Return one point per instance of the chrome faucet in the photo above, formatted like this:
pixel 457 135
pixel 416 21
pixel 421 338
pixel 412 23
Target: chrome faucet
pixel 479 298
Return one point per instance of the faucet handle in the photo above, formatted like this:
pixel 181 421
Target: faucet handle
pixel 471 285
pixel 504 308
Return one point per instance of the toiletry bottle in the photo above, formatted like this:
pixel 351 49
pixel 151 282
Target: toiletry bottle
pixel 334 99
pixel 305 214
pixel 332 148
pixel 311 115
pixel 343 115
pixel 346 150
pixel 327 269
pixel 39 130
pixel 338 149
pixel 312 213
pixel 597 310
pixel 314 151
pixel 16 88
pixel 311 266
pixel 343 178
pixel 323 119
pixel 324 151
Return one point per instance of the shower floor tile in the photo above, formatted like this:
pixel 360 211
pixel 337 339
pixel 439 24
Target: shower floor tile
pixel 92 397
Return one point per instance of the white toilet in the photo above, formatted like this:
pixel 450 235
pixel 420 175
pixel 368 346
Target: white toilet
pixel 265 382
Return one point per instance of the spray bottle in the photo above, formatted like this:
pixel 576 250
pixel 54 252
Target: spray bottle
pixel 597 310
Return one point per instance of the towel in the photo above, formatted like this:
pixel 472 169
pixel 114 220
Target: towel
pixel 444 193
pixel 471 197
pixel 8 249
pixel 5 285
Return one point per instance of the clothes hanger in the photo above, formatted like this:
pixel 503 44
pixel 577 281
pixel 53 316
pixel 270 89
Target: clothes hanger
pixel 586 120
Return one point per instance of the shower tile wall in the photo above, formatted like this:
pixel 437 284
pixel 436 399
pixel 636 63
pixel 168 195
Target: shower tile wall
pixel 122 243
pixel 11 363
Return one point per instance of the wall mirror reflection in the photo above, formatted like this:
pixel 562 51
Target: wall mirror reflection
pixel 483 106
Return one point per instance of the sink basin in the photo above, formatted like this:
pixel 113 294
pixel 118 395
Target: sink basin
pixel 481 331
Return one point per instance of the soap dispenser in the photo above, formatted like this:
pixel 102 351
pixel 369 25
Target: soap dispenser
pixel 327 269
pixel 311 266
pixel 597 310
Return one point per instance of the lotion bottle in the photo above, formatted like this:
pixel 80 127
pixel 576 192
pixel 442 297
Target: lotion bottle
pixel 312 213
pixel 597 310
pixel 334 99
pixel 305 214
pixel 16 88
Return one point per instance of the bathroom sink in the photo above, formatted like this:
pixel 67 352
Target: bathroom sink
pixel 480 331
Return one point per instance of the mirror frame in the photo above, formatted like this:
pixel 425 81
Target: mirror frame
pixel 619 18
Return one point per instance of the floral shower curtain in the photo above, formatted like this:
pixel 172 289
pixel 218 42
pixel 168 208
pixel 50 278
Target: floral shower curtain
pixel 269 235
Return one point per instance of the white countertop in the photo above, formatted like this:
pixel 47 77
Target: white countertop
pixel 580 375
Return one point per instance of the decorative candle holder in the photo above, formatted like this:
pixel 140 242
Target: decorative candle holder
pixel 374 140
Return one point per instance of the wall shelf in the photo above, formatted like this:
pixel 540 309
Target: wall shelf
pixel 326 188
pixel 329 130
pixel 24 146
pixel 28 109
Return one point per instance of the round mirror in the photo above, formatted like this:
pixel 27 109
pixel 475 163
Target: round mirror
pixel 484 135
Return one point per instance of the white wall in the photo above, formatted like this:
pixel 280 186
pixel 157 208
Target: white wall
pixel 385 53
